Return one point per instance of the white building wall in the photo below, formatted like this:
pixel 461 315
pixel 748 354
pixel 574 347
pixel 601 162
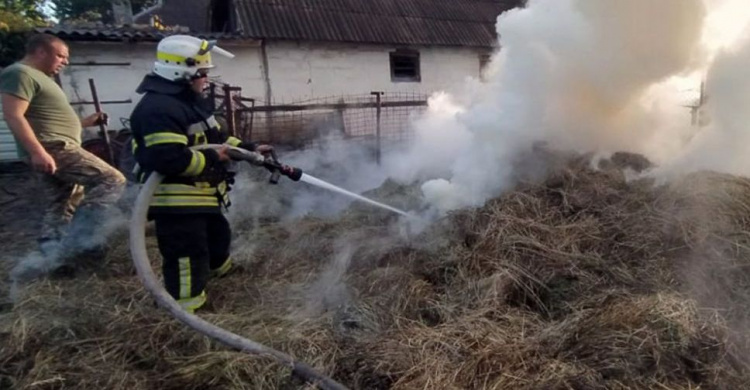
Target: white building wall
pixel 119 82
pixel 297 71
pixel 300 71
pixel 244 70
pixel 112 82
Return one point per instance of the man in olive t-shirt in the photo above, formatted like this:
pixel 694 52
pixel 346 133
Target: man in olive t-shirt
pixel 48 130
pixel 50 115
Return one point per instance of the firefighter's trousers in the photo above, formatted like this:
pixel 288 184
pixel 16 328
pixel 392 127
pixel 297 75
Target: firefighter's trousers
pixel 193 246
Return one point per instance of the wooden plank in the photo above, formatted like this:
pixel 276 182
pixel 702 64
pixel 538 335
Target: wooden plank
pixel 334 106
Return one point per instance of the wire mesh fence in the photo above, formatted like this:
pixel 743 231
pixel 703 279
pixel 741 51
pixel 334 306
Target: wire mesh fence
pixel 378 118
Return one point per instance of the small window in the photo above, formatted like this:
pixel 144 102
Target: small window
pixel 405 66
pixel 484 61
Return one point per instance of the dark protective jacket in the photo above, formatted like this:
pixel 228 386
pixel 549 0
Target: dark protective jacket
pixel 169 119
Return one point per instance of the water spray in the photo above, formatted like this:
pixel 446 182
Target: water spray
pixel 272 164
pixel 328 186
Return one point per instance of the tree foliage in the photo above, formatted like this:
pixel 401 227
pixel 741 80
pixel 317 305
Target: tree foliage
pixel 21 14
pixel 17 18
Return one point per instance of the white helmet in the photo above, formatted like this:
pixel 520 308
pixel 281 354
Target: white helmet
pixel 181 56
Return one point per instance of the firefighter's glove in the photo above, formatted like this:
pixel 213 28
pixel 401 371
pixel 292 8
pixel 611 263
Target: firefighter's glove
pixel 264 149
pixel 247 145
pixel 215 171
pixel 215 175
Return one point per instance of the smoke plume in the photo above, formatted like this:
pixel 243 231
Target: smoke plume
pixel 578 74
pixel 585 75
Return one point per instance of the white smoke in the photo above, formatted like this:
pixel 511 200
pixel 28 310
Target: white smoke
pixel 719 142
pixel 342 163
pixel 329 291
pixel 588 75
pixel 48 259
pixel 580 74
pixel 598 76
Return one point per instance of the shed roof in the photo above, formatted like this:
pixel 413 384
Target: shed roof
pixel 98 32
pixel 400 22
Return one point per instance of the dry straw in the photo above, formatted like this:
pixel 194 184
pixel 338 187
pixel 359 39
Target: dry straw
pixel 581 280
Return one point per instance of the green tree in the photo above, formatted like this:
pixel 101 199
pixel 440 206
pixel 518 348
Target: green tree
pixel 72 11
pixel 17 19
pixel 21 14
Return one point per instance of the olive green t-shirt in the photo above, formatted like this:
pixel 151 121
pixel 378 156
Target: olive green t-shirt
pixel 49 113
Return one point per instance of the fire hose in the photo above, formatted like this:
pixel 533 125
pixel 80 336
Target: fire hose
pixel 147 276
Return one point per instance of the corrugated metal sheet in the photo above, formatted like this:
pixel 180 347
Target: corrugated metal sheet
pixel 400 22
pixel 103 33
pixel 126 33
pixel 8 150
pixel 407 22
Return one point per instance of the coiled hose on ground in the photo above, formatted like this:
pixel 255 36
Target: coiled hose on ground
pixel 146 273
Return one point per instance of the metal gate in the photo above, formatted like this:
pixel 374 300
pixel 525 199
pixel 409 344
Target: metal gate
pixel 378 119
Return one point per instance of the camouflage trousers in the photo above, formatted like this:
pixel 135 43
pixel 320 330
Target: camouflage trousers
pixel 81 180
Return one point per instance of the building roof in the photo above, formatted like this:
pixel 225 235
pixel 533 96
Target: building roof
pixel 125 33
pixel 400 22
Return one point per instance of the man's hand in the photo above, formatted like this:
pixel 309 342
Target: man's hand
pixel 223 153
pixel 95 119
pixel 42 161
pixel 263 149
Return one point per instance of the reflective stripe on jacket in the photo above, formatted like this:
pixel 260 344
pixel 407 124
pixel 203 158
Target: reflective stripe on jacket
pixel 169 119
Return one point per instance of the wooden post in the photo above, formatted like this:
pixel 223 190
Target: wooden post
pixel 212 95
pixel 249 134
pixel 229 110
pixel 102 127
pixel 378 107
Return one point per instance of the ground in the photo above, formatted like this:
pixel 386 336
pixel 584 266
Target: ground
pixel 19 208
pixel 580 278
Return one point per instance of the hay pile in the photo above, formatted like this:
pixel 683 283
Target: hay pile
pixel 583 280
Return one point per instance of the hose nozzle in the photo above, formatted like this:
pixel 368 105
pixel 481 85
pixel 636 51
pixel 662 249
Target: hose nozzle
pixel 269 161
pixel 277 169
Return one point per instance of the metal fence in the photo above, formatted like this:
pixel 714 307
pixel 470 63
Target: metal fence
pixel 377 118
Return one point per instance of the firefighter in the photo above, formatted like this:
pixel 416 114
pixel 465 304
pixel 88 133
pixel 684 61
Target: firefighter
pixel 173 115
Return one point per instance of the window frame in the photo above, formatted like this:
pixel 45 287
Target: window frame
pixel 405 55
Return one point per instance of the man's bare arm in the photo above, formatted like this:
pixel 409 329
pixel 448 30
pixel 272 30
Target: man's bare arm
pixel 14 109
